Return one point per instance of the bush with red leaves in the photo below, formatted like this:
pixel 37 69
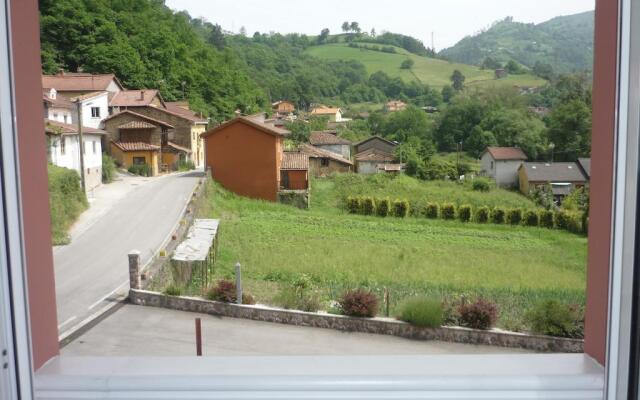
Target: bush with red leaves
pixel 359 303
pixel 225 291
pixel 481 314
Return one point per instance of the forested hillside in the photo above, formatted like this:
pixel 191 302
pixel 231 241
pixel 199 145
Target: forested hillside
pixel 147 46
pixel 564 43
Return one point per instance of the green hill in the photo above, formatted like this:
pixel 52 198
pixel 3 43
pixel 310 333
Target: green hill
pixel 565 43
pixel 432 71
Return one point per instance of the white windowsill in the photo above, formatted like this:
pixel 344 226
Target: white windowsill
pixel 529 376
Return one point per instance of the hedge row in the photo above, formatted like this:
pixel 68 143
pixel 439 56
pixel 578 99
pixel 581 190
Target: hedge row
pixel 571 221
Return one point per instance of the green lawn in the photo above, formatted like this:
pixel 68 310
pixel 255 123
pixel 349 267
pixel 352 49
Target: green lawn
pixel 514 266
pixel 430 71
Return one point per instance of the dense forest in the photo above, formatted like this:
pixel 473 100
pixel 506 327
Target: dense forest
pixel 565 43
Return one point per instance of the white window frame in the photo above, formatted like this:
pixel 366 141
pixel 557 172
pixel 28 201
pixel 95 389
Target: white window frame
pixel 97 113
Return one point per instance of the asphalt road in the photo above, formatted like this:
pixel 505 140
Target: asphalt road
pixel 92 271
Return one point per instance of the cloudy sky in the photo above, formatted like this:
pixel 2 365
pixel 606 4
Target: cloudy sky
pixel 449 20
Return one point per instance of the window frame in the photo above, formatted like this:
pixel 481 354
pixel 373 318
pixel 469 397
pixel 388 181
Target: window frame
pixel 95 114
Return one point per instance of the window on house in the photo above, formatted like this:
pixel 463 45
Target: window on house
pixel 139 160
pixel 55 116
pixel 63 145
pixel 94 146
pixel 491 164
pixel 95 112
pixel 324 162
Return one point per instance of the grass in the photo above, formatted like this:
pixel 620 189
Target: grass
pixel 516 267
pixel 66 202
pixel 430 71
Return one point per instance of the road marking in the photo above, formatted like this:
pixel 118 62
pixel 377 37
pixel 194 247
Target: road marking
pixel 108 295
pixel 66 322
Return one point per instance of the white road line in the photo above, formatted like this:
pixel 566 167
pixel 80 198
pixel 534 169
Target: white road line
pixel 108 295
pixel 66 322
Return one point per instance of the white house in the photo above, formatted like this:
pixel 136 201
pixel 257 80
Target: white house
pixel 64 150
pixel 501 164
pixel 334 114
pixel 58 108
pixel 95 108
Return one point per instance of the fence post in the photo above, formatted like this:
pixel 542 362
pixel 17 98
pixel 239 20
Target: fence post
pixel 238 283
pixel 198 338
pixel 134 270
pixel 386 301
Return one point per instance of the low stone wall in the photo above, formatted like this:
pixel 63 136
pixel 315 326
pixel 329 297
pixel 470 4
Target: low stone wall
pixel 296 198
pixel 383 326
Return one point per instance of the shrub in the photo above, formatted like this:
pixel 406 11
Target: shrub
pixel 108 168
pixel 359 303
pixel 383 207
pixel 422 311
pixel 401 208
pixel 290 298
pixel 448 211
pixel 173 290
pixel 353 205
pixel 67 201
pixel 482 215
pixel 368 206
pixel 531 218
pixel 481 185
pixel 514 216
pixel 464 213
pixel 561 219
pixel 546 219
pixel 432 210
pixel 497 215
pixel 574 223
pixel 481 314
pixel 555 319
pixel 185 165
pixel 140 169
pixel 225 291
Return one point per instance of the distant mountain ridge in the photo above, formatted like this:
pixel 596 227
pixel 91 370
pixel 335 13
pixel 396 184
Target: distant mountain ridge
pixel 565 42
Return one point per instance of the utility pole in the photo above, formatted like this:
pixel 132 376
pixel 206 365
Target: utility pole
pixel 81 143
pixel 433 46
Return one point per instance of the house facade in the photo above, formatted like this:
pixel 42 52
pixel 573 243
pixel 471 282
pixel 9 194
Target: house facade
pixel 324 163
pixel 73 84
pixel 373 161
pixel 375 142
pixel 95 108
pixel 395 105
pixel 334 114
pixel 501 164
pixel 330 141
pixel 294 171
pixel 561 177
pixel 283 107
pixel 63 150
pixel 245 155
pixel 57 108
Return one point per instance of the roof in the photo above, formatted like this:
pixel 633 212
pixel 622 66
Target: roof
pixel 506 153
pixel 178 147
pixel 325 110
pixel 135 98
pixel 314 152
pixel 553 172
pixel 319 138
pixel 294 161
pixel 88 96
pixel 136 146
pixel 137 125
pixel 375 155
pixel 144 117
pixel 59 128
pixel 79 82
pixel 178 109
pixel 281 102
pixel 253 122
pixel 376 137
pixel 59 102
pixel 585 164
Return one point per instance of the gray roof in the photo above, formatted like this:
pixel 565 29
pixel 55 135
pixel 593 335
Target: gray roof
pixel 553 172
pixel 585 164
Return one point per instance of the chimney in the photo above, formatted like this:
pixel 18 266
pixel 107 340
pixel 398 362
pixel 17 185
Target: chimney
pixel 142 95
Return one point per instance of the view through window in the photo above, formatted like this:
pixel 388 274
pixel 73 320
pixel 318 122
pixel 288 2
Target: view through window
pixel 354 182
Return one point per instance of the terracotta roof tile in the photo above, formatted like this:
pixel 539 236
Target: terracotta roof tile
pixel 314 152
pixel 79 82
pixel 294 161
pixel 374 155
pixel 251 121
pixel 140 116
pixel 60 128
pixel 59 102
pixel 135 98
pixel 174 107
pixel 506 153
pixel 137 125
pixel 178 147
pixel 87 96
pixel 136 146
pixel 319 138
pixel 324 110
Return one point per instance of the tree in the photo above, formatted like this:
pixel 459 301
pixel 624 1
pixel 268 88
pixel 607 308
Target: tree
pixel 216 37
pixel 373 32
pixel 324 35
pixel 346 27
pixel 514 68
pixel 355 27
pixel 447 93
pixel 407 64
pixel 543 70
pixel 479 140
pixel 570 130
pixel 243 31
pixel 457 80
pixel 490 63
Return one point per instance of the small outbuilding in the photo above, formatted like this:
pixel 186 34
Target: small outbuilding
pixel 562 177
pixel 501 164
pixel 330 141
pixel 323 163
pixel 372 161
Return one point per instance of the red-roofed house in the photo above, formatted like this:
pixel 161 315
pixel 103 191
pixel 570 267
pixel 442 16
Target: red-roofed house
pixel 330 141
pixel 501 164
pixel 71 84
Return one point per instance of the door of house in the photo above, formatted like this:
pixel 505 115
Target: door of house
pixel 284 179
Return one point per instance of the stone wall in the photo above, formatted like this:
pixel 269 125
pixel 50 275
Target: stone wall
pixel 382 326
pixel 296 198
pixel 182 126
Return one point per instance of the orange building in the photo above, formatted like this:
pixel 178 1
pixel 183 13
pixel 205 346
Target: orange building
pixel 245 155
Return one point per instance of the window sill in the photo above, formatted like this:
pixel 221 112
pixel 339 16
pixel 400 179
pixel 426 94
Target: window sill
pixel 539 376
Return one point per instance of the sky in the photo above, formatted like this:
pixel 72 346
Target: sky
pixel 449 20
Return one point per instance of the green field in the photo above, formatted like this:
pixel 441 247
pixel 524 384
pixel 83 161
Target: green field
pixel 513 266
pixel 426 70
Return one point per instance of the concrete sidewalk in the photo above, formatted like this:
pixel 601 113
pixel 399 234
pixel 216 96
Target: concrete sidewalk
pixel 148 331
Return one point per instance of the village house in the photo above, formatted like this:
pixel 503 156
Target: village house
pixel 501 164
pixel 73 84
pixel 94 106
pixel 334 114
pixel 283 108
pixel 330 141
pixel 323 163
pixel 188 126
pixel 373 161
pixel 561 177
pixel 58 108
pixel 500 73
pixel 246 156
pixel 585 167
pixel 375 142
pixel 395 105
pixel 136 139
pixel 63 150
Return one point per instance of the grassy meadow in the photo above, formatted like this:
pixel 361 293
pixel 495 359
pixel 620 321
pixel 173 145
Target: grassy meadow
pixel 513 266
pixel 430 71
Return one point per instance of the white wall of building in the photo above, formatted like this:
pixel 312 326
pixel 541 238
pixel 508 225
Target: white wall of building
pixel 70 158
pixel 101 104
pixel 504 172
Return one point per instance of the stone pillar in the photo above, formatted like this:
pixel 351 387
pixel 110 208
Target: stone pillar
pixel 134 270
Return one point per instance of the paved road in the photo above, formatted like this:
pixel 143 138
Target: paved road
pixel 93 269
pixel 148 331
